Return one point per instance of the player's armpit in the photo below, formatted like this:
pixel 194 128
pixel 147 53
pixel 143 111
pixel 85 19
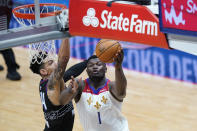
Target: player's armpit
pixel 56 76
pixel 52 83
pixel 54 94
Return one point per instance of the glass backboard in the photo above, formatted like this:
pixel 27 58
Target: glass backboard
pixel 41 29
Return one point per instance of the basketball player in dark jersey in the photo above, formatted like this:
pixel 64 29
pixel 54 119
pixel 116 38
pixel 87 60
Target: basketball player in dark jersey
pixel 58 117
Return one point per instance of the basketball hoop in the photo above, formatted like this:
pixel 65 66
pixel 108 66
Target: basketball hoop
pixel 25 16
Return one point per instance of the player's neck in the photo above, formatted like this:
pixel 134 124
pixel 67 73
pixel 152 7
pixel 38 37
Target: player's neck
pixel 96 83
pixel 45 77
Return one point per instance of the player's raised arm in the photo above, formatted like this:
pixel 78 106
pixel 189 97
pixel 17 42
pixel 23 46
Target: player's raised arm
pixel 118 88
pixel 63 58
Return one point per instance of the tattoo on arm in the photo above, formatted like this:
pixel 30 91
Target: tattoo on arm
pixel 57 75
pixel 63 58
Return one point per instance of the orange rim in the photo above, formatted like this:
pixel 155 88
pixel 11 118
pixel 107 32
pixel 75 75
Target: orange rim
pixel 32 16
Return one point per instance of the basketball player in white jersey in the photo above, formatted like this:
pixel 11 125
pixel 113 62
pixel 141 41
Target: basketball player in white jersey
pixel 98 99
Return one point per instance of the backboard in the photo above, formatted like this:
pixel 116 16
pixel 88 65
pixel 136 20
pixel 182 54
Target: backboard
pixel 42 29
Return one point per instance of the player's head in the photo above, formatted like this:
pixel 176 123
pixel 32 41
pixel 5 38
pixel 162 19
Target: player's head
pixel 42 66
pixel 96 69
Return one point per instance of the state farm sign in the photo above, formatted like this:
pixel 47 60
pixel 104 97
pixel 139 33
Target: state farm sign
pixel 132 23
pixel 120 23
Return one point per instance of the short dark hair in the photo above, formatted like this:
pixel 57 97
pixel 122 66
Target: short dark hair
pixel 37 63
pixel 92 57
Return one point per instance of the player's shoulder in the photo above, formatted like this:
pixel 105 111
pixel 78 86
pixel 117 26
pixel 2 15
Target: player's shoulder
pixel 111 83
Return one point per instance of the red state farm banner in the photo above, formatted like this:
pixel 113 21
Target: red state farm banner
pixel 125 22
pixel 179 16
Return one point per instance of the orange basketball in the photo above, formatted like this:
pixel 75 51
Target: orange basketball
pixel 106 50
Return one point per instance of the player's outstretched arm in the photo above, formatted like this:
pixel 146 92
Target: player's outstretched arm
pixel 118 88
pixel 63 58
pixel 55 82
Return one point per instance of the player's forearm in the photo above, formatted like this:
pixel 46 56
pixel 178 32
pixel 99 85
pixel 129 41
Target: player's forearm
pixel 66 96
pixel 63 56
pixel 121 82
pixel 75 70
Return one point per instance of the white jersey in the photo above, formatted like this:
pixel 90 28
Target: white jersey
pixel 99 111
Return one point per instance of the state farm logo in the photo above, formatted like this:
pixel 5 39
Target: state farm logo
pixel 121 22
pixel 90 19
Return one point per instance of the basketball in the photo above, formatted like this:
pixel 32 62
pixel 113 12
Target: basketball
pixel 106 50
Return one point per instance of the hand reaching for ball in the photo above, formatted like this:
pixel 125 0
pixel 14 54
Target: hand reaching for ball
pixel 106 50
pixel 118 59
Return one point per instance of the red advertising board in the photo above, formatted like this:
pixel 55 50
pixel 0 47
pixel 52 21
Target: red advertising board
pixel 178 16
pixel 125 22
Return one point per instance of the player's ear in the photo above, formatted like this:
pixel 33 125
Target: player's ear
pixel 87 70
pixel 43 72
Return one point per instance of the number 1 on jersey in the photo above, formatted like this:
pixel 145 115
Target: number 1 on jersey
pixel 99 117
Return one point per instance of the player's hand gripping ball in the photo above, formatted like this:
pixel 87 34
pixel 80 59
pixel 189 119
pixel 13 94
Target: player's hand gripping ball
pixel 106 50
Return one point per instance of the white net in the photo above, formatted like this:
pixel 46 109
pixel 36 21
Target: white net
pixel 42 51
pixel 38 51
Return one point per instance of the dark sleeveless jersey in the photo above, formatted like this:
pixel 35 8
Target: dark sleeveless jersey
pixel 58 118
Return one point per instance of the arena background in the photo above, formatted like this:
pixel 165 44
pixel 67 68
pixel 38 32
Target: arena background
pixel 161 87
pixel 172 64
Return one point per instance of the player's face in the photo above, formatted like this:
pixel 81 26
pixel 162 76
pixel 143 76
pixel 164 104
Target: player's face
pixel 50 66
pixel 96 68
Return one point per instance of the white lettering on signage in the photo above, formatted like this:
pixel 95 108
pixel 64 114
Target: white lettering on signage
pixel 123 24
pixel 173 15
pixel 192 8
